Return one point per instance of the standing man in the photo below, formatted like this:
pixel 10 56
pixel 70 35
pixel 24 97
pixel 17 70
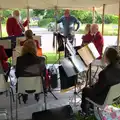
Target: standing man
pixel 14 25
pixel 69 23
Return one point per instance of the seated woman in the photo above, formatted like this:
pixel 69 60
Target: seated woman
pixel 107 78
pixel 4 63
pixel 85 39
pixel 28 63
pixel 29 36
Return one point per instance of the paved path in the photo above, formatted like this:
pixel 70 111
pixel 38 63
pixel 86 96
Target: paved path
pixel 47 39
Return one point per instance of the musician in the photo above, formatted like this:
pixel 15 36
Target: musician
pixel 87 32
pixel 29 64
pixel 69 23
pixel 95 36
pixel 29 36
pixel 14 26
pixel 3 61
pixel 106 78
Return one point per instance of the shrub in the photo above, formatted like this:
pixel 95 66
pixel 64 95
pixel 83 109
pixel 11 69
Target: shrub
pixel 44 22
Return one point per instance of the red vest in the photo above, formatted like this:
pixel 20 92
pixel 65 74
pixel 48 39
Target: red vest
pixel 13 28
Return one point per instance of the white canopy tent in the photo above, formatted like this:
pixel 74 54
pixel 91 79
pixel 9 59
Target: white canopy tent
pixel 113 9
pixel 50 4
pixel 110 9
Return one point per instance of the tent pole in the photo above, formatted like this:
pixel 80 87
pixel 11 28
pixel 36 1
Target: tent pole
pixel 103 18
pixel 93 14
pixel 0 26
pixel 28 17
pixel 56 10
pixel 56 13
pixel 118 29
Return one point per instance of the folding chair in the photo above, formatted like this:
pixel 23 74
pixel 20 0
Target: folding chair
pixel 28 85
pixel 4 88
pixel 112 95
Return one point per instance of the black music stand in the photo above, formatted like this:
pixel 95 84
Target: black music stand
pixel 79 67
pixel 73 66
pixel 92 54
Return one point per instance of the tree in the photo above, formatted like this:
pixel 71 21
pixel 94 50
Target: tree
pixel 6 13
pixel 37 12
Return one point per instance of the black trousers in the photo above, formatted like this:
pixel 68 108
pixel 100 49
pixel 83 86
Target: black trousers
pixel 86 93
pixel 7 72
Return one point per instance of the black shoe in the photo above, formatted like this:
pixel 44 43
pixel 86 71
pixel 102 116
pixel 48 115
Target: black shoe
pixel 25 98
pixel 37 97
pixel 83 115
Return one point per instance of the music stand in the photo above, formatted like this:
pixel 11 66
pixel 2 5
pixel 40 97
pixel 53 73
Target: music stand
pixel 73 66
pixel 70 48
pixel 79 67
pixel 89 53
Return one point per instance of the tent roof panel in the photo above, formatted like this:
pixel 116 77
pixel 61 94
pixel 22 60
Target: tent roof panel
pixel 49 4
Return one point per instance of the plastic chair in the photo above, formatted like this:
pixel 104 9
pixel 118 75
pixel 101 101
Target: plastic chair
pixel 28 85
pixel 4 88
pixel 113 94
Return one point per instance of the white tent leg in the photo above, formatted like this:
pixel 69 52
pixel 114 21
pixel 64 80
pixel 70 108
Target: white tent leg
pixel 28 17
pixel 103 18
pixel 0 26
pixel 93 15
pixel 56 13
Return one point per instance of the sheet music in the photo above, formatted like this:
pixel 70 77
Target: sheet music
pixel 86 55
pixel 70 51
pixel 68 67
pixel 94 50
pixel 70 48
pixel 78 63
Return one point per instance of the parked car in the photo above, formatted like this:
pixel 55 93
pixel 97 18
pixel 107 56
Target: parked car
pixel 52 27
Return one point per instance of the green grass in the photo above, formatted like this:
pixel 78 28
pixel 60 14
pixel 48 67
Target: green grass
pixel 109 29
pixel 78 117
pixel 4 33
pixel 53 57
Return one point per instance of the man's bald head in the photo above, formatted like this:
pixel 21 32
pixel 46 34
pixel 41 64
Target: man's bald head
pixel 94 28
pixel 67 13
